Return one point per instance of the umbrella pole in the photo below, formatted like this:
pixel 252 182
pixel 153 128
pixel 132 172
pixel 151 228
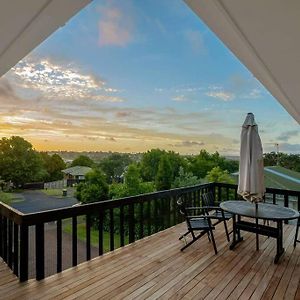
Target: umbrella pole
pixel 256 221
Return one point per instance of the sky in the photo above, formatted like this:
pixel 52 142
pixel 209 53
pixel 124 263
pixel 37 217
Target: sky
pixel 132 75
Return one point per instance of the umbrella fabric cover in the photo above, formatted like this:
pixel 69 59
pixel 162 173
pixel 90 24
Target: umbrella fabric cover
pixel 251 175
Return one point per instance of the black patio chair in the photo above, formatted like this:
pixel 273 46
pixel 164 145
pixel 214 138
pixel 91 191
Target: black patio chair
pixel 196 222
pixel 297 231
pixel 215 211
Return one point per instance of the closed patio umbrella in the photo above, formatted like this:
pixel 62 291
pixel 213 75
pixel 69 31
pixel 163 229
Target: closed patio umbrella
pixel 251 174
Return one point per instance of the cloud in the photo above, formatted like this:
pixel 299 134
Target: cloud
pixel 116 27
pixel 221 95
pixel 285 136
pixel 195 40
pixel 190 144
pixel 60 81
pixel 123 114
pixel 179 98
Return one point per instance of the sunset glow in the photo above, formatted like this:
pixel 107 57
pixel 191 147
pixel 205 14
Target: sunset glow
pixel 129 76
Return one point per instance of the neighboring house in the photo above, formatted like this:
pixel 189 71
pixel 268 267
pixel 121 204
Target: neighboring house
pixel 75 174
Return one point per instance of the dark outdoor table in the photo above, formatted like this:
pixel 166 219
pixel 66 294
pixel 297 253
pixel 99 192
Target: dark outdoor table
pixel 263 211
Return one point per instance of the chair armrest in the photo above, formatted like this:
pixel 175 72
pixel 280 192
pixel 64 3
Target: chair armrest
pixel 200 217
pixel 212 207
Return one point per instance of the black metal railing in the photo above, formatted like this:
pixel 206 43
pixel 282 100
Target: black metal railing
pixel 24 238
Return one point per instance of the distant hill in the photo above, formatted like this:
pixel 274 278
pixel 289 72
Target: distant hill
pixel 96 156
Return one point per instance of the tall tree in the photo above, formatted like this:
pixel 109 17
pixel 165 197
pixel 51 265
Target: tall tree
pixel 114 166
pixel 216 174
pixel 53 165
pixel 150 162
pixel 82 160
pixel 94 188
pixel 19 162
pixel 163 180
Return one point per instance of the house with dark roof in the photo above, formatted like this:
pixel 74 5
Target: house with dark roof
pixel 75 174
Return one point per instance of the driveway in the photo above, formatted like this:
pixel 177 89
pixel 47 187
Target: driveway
pixel 35 201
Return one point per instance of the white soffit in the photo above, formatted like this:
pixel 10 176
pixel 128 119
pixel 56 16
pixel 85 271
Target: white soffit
pixel 24 24
pixel 265 36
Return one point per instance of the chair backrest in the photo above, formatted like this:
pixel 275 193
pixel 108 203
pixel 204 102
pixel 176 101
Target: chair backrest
pixel 181 206
pixel 208 199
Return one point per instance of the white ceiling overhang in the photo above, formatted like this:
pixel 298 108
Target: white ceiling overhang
pixel 24 24
pixel 265 36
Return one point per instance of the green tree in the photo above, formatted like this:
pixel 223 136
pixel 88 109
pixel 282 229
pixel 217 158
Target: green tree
pixel 82 160
pixel 270 159
pixel 163 180
pixel 216 174
pixel 185 179
pixel 53 165
pixel 114 166
pixel 19 162
pixel 133 184
pixel 150 162
pixel 94 188
pixel 202 163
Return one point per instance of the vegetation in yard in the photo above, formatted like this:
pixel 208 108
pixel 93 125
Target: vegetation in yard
pixel 58 192
pixel 81 234
pixel 8 198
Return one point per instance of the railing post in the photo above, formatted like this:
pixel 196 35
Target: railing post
pixel 10 244
pixel 286 204
pixel 23 252
pixel 59 246
pixel 100 232
pixel 131 223
pixel 122 242
pixel 4 237
pixel 141 218
pixel 40 251
pixel 88 236
pixel 74 241
pixel 111 230
pixel 16 249
pixel 1 236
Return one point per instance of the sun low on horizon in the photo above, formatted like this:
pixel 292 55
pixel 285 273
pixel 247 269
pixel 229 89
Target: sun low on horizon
pixel 129 76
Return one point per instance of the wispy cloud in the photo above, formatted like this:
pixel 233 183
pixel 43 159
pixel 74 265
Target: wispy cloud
pixel 190 144
pixel 285 136
pixel 116 27
pixel 60 81
pixel 195 41
pixel 221 95
pixel 180 98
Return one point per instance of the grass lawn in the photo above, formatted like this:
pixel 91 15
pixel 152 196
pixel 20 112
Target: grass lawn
pixel 8 198
pixel 58 192
pixel 67 227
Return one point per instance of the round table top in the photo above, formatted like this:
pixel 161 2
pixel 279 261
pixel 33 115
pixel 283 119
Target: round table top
pixel 265 211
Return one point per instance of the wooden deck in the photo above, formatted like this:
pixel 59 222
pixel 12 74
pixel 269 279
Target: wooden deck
pixel 155 268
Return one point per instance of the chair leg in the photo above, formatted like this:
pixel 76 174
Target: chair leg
pixel 226 230
pixel 185 234
pixel 208 236
pixel 213 241
pixel 296 235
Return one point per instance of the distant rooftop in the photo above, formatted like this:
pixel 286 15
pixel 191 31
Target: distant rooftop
pixel 77 170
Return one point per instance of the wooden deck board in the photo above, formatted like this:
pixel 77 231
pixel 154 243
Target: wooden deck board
pixel 155 268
